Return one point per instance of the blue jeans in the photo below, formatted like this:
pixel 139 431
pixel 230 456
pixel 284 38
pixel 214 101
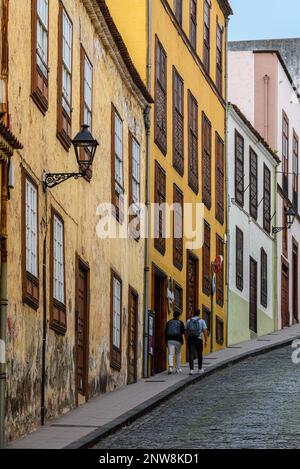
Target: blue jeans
pixel 195 345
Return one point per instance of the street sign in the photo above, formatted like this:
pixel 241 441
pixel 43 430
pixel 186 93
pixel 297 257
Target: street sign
pixel 213 284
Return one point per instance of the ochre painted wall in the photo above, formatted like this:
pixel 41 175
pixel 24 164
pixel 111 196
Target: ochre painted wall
pixel 179 55
pixel 77 202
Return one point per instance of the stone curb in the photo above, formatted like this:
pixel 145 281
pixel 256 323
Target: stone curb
pixel 128 417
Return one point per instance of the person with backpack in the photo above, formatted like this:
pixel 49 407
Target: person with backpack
pixel 195 327
pixel 174 339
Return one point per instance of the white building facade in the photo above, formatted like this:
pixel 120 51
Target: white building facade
pixel 261 85
pixel 252 247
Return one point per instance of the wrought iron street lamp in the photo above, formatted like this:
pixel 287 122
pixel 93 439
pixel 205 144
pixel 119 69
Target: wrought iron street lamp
pixel 85 147
pixel 290 214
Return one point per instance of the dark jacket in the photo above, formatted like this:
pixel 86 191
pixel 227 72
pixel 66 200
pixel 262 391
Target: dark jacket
pixel 177 337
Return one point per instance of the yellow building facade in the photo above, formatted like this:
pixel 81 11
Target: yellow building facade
pixel 75 298
pixel 185 70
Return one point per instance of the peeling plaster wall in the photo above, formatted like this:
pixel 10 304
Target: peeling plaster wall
pixel 76 202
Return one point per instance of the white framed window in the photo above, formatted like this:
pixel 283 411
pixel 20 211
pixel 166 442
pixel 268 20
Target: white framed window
pixel 118 154
pixel 136 161
pixel 58 260
pixel 67 35
pixel 88 91
pixel 31 224
pixel 117 289
pixel 42 36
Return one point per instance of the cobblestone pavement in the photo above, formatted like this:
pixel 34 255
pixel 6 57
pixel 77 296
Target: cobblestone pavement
pixel 254 404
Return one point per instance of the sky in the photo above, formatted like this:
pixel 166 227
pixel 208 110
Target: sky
pixel 264 19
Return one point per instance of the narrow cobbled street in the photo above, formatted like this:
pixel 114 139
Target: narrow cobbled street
pixel 254 404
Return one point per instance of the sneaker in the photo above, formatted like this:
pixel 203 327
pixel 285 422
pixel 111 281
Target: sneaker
pixel 201 371
pixel 191 372
pixel 178 370
pixel 170 370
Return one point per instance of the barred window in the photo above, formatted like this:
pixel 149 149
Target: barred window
pixel 239 259
pixel 253 202
pixel 264 278
pixel 178 122
pixel 239 168
pixel 193 143
pixel 206 41
pixel 267 199
pixel 160 114
pixel 193 23
pixel 206 161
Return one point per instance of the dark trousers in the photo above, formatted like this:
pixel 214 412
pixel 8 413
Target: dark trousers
pixel 195 345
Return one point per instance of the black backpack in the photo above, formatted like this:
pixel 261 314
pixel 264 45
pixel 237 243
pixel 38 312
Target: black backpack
pixel 174 328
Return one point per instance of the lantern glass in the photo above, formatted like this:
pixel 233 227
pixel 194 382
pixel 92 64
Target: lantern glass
pixel 85 147
pixel 290 216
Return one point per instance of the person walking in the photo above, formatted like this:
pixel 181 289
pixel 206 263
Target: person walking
pixel 195 327
pixel 174 333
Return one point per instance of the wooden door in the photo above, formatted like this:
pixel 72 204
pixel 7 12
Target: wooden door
pixel 192 285
pixel 82 323
pixel 132 336
pixel 295 282
pixel 160 309
pixel 285 315
pixel 253 296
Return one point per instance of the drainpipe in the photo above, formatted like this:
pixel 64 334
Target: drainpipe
pixel 148 169
pixel 227 186
pixel 275 264
pixel 44 343
pixel 3 302
pixel 266 107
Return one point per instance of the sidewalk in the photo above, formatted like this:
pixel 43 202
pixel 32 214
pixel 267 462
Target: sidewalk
pixel 86 425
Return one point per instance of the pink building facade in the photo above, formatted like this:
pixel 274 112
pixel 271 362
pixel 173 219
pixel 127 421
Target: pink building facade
pixel 261 86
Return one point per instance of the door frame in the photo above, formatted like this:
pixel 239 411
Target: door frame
pixel 251 260
pixel 83 265
pixel 295 279
pixel 157 272
pixel 191 255
pixel 287 265
pixel 132 290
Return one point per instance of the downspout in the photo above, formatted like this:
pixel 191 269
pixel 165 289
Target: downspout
pixel 227 185
pixel 44 343
pixel 3 302
pixel 3 235
pixel 275 265
pixel 148 169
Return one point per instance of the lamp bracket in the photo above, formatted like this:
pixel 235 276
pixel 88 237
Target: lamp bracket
pixel 54 179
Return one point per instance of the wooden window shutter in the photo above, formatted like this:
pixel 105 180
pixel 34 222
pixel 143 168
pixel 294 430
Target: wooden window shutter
pixel 58 310
pixel 285 153
pixel 267 200
pixel 220 179
pixel 160 198
pixel 239 169
pixel 206 262
pixel 295 170
pixel 206 36
pixel 219 55
pixel 40 55
pixel 220 275
pixel 178 11
pixel 160 109
pixel 116 306
pixel 64 119
pixel 193 174
pixel 178 226
pixel 206 161
pixel 264 278
pixel 193 23
pixel 30 279
pixel 239 259
pixel 178 122
pixel 253 190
